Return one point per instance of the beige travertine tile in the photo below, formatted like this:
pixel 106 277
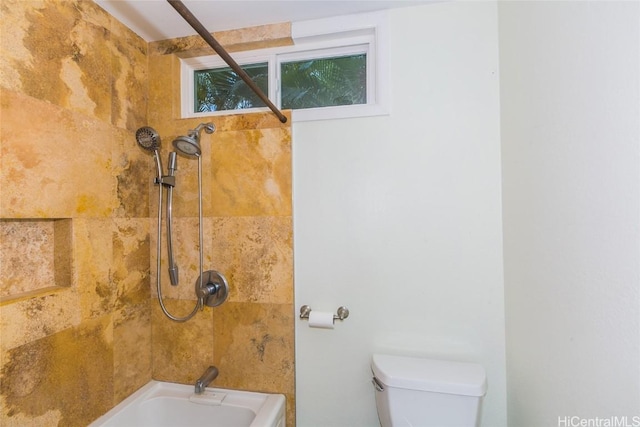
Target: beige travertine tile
pixel 58 54
pixel 131 349
pixel 251 173
pixel 162 90
pixel 93 249
pixel 135 169
pixel 259 37
pixel 132 306
pixel 26 253
pixel 58 166
pixel 92 84
pixel 31 319
pixel 239 122
pixel 73 90
pixel 130 77
pixel 181 351
pixel 256 254
pixel 67 377
pixel 254 349
pixel 130 269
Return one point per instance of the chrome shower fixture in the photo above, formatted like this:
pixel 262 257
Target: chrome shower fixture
pixel 149 139
pixel 190 145
pixel 212 288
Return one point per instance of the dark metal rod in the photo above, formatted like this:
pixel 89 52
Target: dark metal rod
pixel 200 29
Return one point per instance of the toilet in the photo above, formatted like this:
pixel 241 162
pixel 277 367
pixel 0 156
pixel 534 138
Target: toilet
pixel 419 392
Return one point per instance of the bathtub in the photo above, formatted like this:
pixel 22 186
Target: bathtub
pixel 162 404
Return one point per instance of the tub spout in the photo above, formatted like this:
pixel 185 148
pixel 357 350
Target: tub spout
pixel 209 375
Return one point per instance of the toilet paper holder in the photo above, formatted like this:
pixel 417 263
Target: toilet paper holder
pixel 341 314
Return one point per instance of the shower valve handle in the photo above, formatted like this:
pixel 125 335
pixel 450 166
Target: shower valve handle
pixel 208 289
pixel 212 288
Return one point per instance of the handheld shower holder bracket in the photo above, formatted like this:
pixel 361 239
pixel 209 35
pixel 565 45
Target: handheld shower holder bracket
pixel 166 180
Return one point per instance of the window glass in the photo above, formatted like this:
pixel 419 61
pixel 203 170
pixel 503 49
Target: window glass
pixel 222 89
pixel 324 82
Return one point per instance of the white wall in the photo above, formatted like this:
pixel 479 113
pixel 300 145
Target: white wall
pixel 570 135
pixel 399 219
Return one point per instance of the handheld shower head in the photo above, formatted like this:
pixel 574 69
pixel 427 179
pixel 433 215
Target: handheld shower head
pixel 148 138
pixel 190 145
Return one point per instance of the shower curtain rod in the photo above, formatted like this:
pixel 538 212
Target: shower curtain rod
pixel 200 29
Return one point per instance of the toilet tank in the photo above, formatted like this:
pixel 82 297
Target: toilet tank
pixel 421 392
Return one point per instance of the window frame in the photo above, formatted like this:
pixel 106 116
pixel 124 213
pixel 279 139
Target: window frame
pixel 334 52
pixel 188 67
pixel 325 38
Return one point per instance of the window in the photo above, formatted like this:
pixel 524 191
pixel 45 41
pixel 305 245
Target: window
pixel 221 89
pixel 335 69
pixel 323 82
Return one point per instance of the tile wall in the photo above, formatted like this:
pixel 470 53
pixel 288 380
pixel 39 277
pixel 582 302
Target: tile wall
pixel 248 237
pixel 75 310
pixel 80 328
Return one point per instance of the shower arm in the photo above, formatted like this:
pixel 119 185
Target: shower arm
pixel 200 29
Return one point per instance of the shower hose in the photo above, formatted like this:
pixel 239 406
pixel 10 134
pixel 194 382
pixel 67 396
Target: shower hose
pixel 200 302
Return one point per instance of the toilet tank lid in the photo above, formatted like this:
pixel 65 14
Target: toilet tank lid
pixel 442 376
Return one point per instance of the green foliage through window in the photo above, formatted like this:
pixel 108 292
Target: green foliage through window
pixel 324 82
pixel 308 83
pixel 221 89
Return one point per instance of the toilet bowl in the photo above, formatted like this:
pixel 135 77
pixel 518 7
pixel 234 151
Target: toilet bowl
pixel 421 392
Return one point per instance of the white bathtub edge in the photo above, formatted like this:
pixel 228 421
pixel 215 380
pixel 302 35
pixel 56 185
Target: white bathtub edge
pixel 275 407
pixel 148 388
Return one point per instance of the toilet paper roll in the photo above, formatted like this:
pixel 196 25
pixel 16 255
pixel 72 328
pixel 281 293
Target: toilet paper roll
pixel 321 319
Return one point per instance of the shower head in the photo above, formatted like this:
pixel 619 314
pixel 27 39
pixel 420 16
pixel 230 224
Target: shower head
pixel 148 138
pixel 190 144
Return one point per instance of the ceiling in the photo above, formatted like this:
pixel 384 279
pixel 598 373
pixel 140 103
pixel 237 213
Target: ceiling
pixel 157 20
